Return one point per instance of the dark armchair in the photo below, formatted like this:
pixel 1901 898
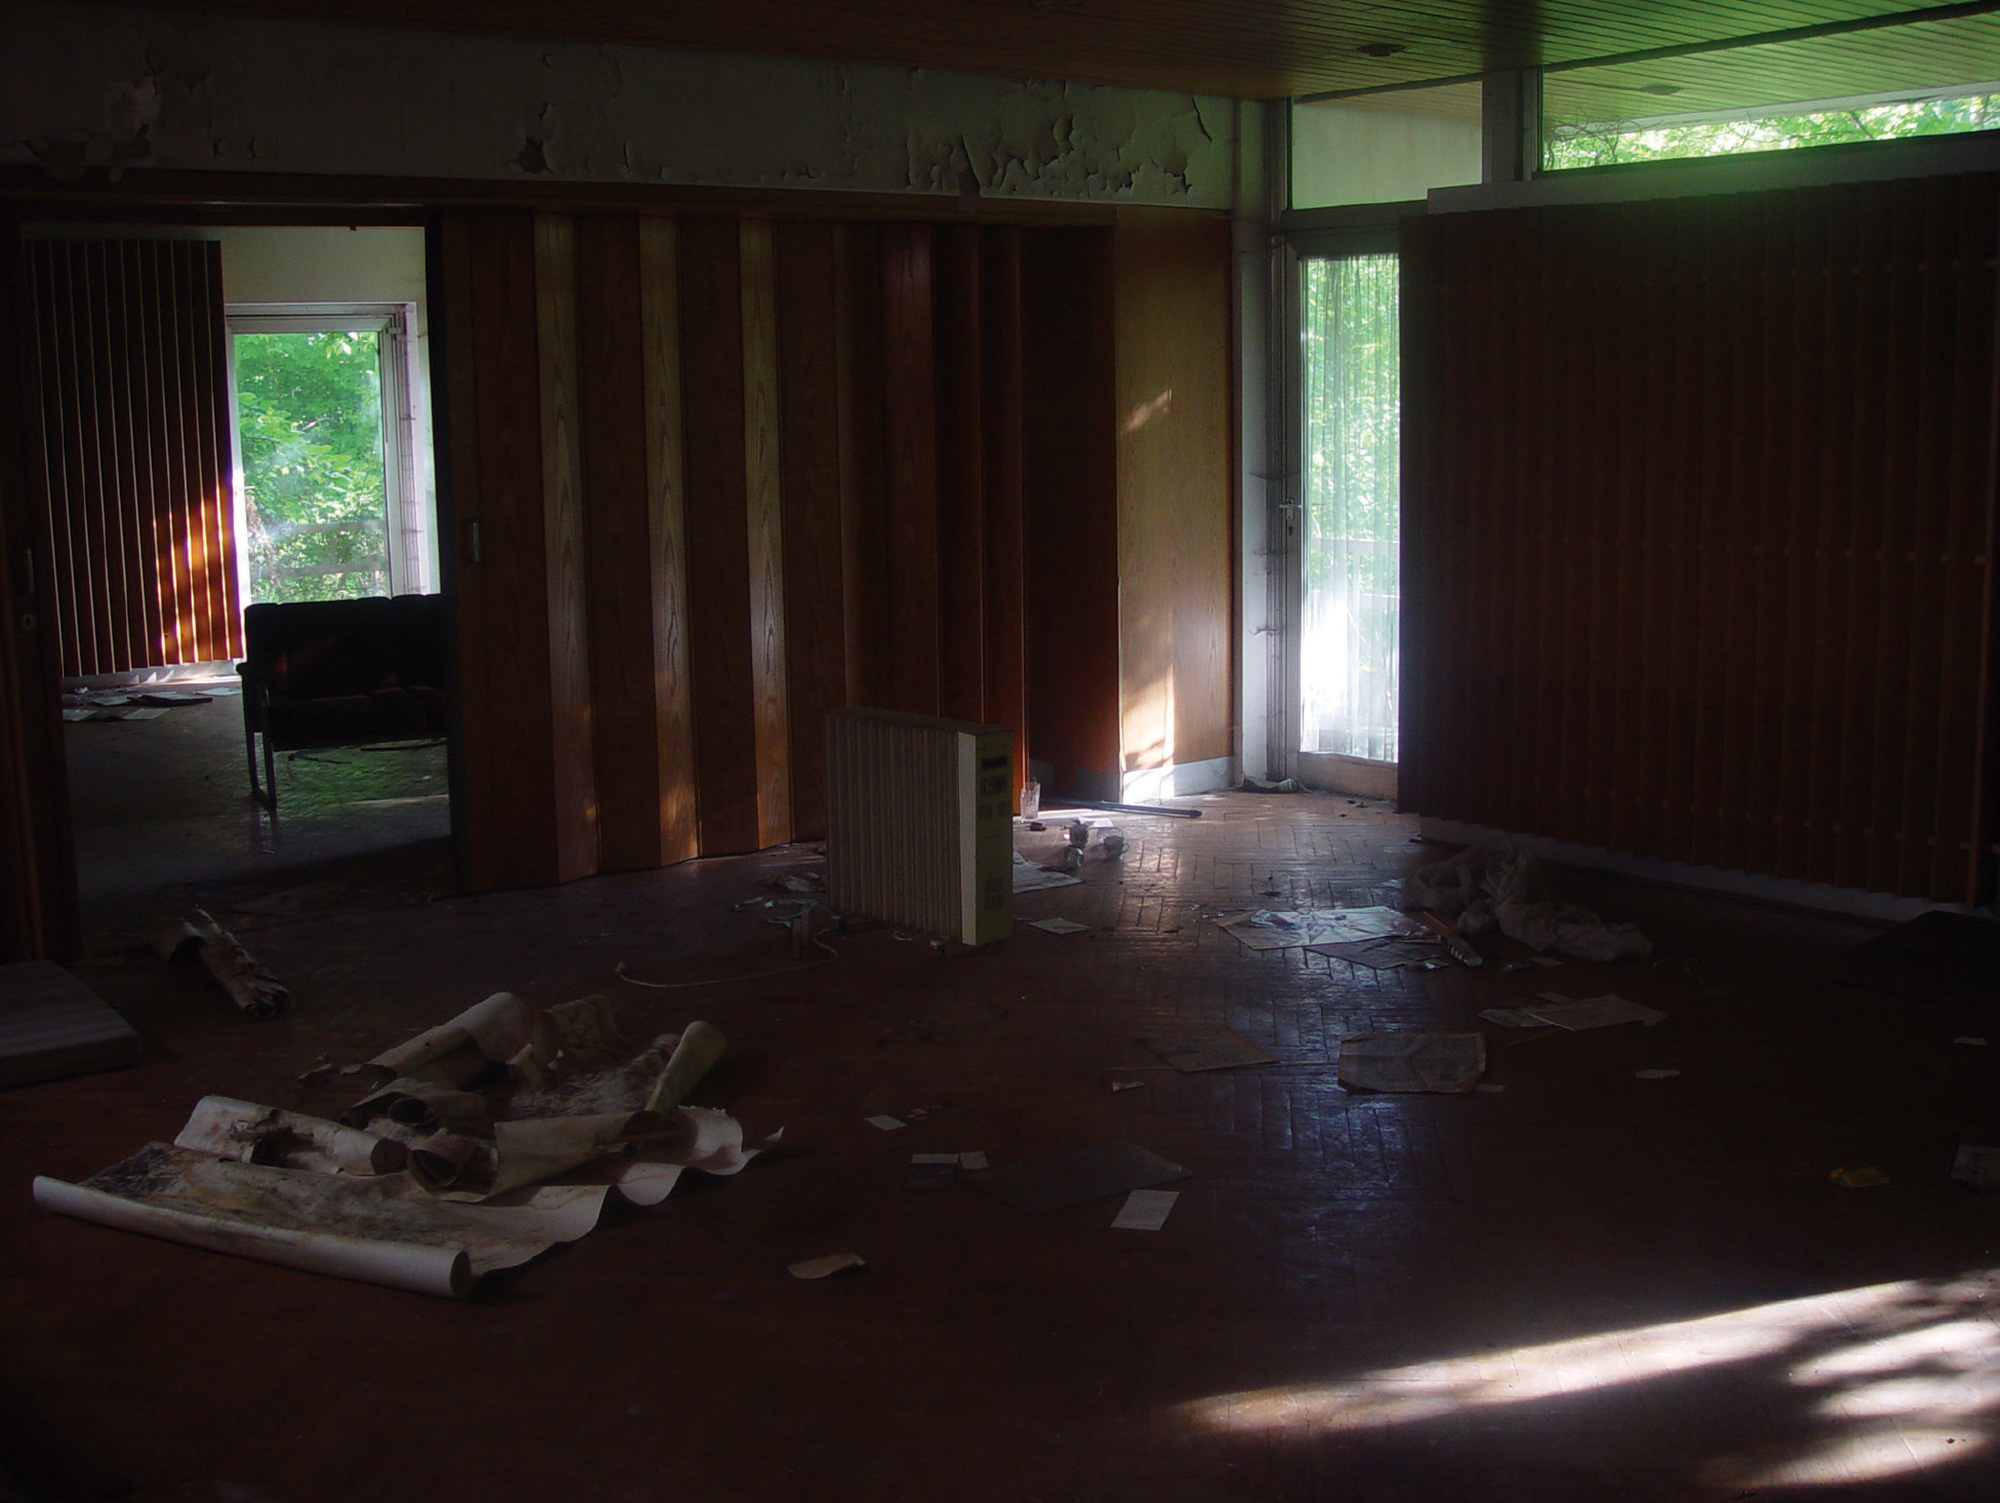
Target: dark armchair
pixel 326 673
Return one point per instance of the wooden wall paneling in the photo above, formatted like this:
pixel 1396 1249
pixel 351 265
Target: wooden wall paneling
pixel 613 440
pixel 957 274
pixel 1930 656
pixel 1629 546
pixel 1774 294
pixel 505 816
pixel 568 650
pixel 1746 304
pixel 221 618
pixel 1696 805
pixel 1416 256
pixel 1649 244
pixel 910 428
pixel 865 515
pixel 1966 581
pixel 130 549
pixel 90 585
pixel 1834 472
pixel 52 383
pixel 762 481
pixel 1894 498
pixel 808 290
pixel 38 901
pixel 1798 253
pixel 1171 274
pixel 1863 543
pixel 1546 796
pixel 1480 523
pixel 721 659
pixel 1070 480
pixel 666 493
pixel 163 459
pixel 1001 438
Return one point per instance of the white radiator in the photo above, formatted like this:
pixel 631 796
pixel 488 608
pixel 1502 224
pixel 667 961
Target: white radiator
pixel 919 823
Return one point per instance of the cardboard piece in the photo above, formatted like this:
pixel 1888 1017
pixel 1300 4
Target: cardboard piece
pixel 1450 1063
pixel 1215 1048
pixel 1078 1177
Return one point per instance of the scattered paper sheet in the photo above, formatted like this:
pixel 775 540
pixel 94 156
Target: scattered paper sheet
pixel 972 1163
pixel 1145 1210
pixel 886 1123
pixel 1487 1088
pixel 1126 1085
pixel 1383 953
pixel 1058 925
pixel 1860 1177
pixel 1269 929
pixel 1594 1012
pixel 1513 1017
pixel 1657 1074
pixel 1215 1048
pixel 1030 878
pixel 1079 1177
pixel 1978 1167
pixel 1975 1043
pixel 819 1268
pixel 1444 1062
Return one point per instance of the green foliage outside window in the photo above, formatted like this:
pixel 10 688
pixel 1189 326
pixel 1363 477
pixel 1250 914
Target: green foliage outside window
pixel 1605 143
pixel 309 412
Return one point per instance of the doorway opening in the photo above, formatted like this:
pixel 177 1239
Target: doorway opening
pixel 1350 599
pixel 316 387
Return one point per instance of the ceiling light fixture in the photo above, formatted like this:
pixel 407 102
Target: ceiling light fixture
pixel 1381 49
pixel 1661 89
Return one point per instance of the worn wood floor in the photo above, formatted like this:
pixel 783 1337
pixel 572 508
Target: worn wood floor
pixel 1583 1285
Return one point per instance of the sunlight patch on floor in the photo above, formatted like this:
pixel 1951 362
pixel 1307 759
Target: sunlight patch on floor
pixel 1907 1374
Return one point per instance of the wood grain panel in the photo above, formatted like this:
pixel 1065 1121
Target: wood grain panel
pixel 38 905
pixel 721 658
pixel 659 320
pixel 1070 480
pixel 1761 492
pixel 612 431
pixel 866 530
pixel 961 472
pixel 136 411
pixel 568 645
pixel 1172 272
pixel 909 408
pixel 1002 438
pixel 808 291
pixel 763 479
pixel 506 816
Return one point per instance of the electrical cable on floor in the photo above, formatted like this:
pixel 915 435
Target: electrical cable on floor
pixel 798 908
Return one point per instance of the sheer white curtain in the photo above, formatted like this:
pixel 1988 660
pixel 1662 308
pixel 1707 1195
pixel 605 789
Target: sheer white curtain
pixel 1348 627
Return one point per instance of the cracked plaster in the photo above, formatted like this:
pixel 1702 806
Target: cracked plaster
pixel 89 86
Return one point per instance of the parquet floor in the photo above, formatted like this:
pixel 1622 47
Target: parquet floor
pixel 1583 1285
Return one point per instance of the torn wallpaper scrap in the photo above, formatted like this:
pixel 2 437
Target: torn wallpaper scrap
pixel 486 1142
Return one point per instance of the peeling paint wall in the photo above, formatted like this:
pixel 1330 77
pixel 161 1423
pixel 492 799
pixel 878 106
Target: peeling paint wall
pixel 87 86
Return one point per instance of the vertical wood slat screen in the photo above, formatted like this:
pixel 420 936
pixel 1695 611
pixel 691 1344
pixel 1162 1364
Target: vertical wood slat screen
pixel 1699 509
pixel 133 373
pixel 792 457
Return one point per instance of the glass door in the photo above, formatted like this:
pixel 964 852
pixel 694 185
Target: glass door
pixel 1350 595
